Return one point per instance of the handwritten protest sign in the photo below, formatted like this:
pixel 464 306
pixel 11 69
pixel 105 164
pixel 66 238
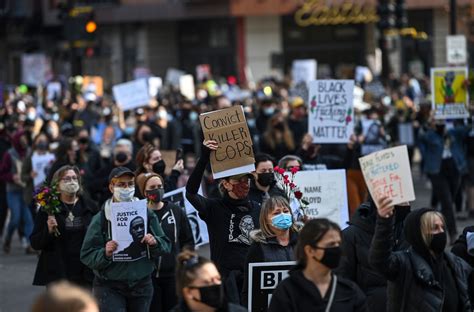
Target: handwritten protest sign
pixel 450 97
pixel 326 193
pixel 388 173
pixel 304 71
pixel 229 128
pixel 199 227
pixel 129 226
pixel 132 94
pixel 331 110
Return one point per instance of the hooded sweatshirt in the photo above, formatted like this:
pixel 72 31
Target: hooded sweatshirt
pixel 12 162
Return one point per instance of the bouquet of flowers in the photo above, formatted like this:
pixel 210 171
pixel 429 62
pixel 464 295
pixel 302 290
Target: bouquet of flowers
pixel 290 188
pixel 47 198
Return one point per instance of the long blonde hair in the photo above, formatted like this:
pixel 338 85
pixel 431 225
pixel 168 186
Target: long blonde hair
pixel 426 225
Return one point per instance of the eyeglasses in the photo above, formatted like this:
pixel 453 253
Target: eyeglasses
pixel 125 184
pixel 69 179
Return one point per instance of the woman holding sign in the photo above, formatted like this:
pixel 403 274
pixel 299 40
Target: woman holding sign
pixel 275 240
pixel 229 219
pixel 60 249
pixel 424 277
pixel 312 284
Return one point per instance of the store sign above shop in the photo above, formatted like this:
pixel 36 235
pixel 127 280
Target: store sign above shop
pixel 317 12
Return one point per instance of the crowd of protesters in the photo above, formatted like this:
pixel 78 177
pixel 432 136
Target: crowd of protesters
pixel 97 154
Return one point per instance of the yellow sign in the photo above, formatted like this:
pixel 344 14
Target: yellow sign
pixel 316 12
pixel 450 97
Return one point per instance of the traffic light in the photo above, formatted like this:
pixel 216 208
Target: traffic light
pixel 386 13
pixel 80 25
pixel 400 14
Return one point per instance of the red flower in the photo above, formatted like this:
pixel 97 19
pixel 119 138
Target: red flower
pixel 286 181
pixel 281 170
pixel 292 185
pixel 276 169
pixel 298 195
pixel 285 177
pixel 294 170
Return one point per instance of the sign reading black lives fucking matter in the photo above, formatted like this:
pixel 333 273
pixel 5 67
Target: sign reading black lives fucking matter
pixel 229 129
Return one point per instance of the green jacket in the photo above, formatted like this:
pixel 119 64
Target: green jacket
pixel 93 250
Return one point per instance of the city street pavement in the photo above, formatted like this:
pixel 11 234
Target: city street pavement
pixel 17 269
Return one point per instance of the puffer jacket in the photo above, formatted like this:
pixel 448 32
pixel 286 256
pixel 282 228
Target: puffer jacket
pixel 412 277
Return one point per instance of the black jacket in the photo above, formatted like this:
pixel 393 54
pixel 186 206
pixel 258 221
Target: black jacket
pixel 229 222
pixel 60 256
pixel 267 250
pixel 230 307
pixel 460 247
pixel 355 266
pixel 296 293
pixel 259 196
pixel 411 273
pixel 175 224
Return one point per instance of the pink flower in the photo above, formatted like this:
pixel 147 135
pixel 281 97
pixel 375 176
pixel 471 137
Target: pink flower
pixel 281 170
pixel 294 170
pixel 276 169
pixel 286 181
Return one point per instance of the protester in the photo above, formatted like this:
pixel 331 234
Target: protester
pixel 298 120
pixel 65 297
pixel 310 154
pixel 444 161
pixel 60 251
pixel 149 160
pixel 121 285
pixel 275 240
pixel 463 247
pixel 356 240
pixel 65 154
pixel 175 225
pixel 10 172
pixel 199 286
pixel 356 188
pixel 289 162
pixel 277 140
pixel 418 276
pixel 229 219
pixel 312 285
pixel 263 184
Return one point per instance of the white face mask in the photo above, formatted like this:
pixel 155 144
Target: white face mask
pixel 124 194
pixel 69 187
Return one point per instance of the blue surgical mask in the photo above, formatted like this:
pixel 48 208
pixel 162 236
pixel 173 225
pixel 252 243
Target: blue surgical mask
pixel 268 111
pixel 193 116
pixel 283 221
pixel 129 130
pixel 124 194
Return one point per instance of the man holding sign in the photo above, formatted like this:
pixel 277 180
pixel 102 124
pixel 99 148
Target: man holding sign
pixel 229 219
pixel 123 274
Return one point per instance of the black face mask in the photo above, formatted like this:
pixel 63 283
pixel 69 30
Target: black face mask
pixel 42 146
pixel 266 178
pixel 83 141
pixel 121 157
pixel 159 167
pixel 280 126
pixel 438 242
pixel 147 137
pixel 332 256
pixel 212 296
pixel 156 195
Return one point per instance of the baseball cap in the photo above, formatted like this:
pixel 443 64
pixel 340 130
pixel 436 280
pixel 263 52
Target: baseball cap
pixel 120 171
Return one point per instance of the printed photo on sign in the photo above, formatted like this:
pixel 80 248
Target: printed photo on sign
pixel 235 152
pixel 129 226
pixel 199 227
pixel 331 110
pixel 326 193
pixel 450 97
pixel 388 173
pixel 263 279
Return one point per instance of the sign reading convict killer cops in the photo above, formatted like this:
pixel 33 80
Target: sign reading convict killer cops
pixel 326 193
pixel 388 173
pixel 450 96
pixel 229 128
pixel 129 224
pixel 262 280
pixel 331 110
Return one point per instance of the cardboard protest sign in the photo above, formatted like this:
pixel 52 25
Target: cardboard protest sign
pixel 263 279
pixel 304 71
pixel 373 139
pixel 326 193
pixel 331 110
pixel 132 94
pixel 39 164
pixel 199 227
pixel 229 128
pixel 450 97
pixel 186 86
pixel 129 226
pixel 388 173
